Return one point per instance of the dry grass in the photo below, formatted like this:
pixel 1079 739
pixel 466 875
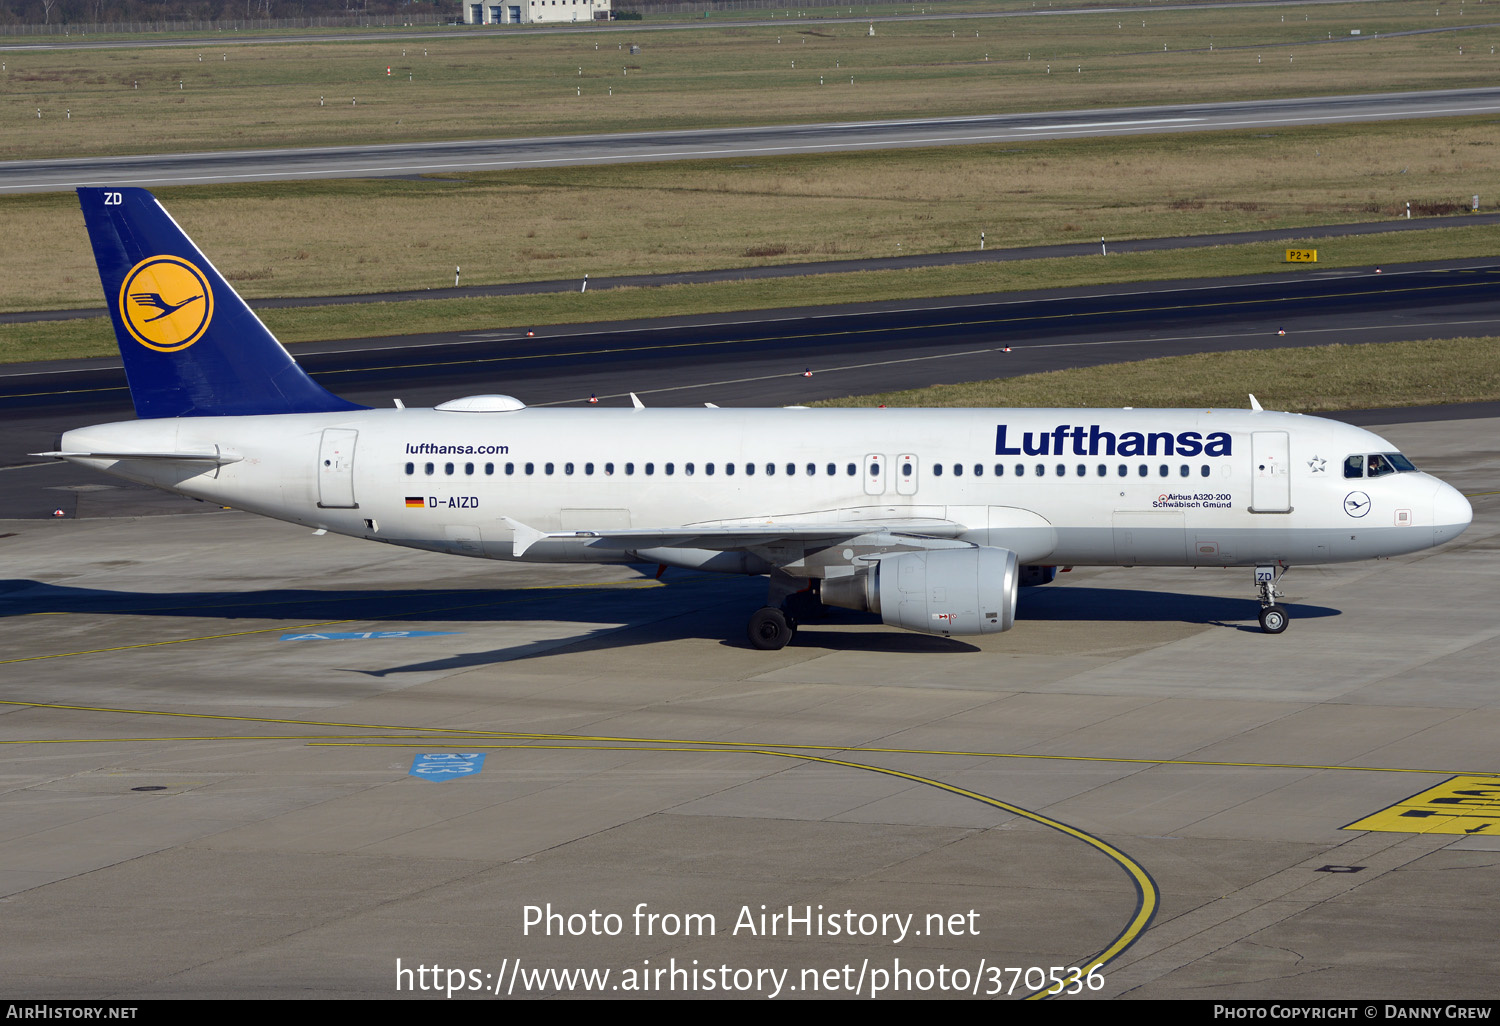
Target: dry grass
pixel 1312 380
pixel 351 236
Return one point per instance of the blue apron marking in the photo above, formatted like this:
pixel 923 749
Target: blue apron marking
pixel 365 635
pixel 442 766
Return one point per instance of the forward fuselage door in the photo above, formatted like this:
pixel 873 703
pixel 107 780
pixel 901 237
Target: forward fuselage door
pixel 336 469
pixel 1270 472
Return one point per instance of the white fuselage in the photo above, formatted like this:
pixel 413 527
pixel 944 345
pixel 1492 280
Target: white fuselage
pixel 1063 486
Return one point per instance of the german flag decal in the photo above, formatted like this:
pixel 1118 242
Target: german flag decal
pixel 415 502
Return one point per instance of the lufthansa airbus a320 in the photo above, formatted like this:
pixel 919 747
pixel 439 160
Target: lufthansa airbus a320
pixel 929 518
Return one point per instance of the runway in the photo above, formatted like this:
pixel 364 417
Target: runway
pixel 558 151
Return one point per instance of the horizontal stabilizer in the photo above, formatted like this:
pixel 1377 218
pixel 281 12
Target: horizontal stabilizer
pixel 216 458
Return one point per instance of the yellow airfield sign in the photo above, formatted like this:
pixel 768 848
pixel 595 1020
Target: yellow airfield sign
pixel 1460 805
pixel 1301 256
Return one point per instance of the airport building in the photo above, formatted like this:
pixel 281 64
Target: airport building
pixel 529 12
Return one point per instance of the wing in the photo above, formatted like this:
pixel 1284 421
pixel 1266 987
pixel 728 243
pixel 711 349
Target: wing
pixel 782 538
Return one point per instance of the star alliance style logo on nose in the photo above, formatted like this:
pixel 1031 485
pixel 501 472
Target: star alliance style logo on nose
pixel 166 303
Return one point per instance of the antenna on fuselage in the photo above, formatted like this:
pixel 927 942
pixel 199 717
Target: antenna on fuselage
pixel 1254 403
pixel 635 401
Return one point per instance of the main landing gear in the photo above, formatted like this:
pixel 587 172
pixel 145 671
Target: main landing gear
pixel 1273 618
pixel 773 626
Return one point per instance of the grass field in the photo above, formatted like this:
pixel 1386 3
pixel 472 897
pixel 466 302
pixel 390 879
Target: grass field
pixel 359 236
pixel 1313 380
pixel 166 99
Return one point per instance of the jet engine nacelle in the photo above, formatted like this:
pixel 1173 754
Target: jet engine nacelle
pixel 938 591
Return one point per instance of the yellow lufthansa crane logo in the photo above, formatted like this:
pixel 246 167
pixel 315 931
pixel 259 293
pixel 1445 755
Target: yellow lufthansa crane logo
pixel 166 303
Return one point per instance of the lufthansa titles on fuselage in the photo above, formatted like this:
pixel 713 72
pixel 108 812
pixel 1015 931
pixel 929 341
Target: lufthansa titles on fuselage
pixel 435 449
pixel 1095 441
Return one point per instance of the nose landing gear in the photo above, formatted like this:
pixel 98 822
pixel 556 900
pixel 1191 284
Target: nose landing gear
pixel 1273 618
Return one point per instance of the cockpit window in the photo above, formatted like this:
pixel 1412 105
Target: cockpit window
pixel 1376 464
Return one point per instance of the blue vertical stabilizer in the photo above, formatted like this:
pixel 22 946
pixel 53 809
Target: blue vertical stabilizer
pixel 191 346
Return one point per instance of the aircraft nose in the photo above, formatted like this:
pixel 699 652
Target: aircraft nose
pixel 1451 513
